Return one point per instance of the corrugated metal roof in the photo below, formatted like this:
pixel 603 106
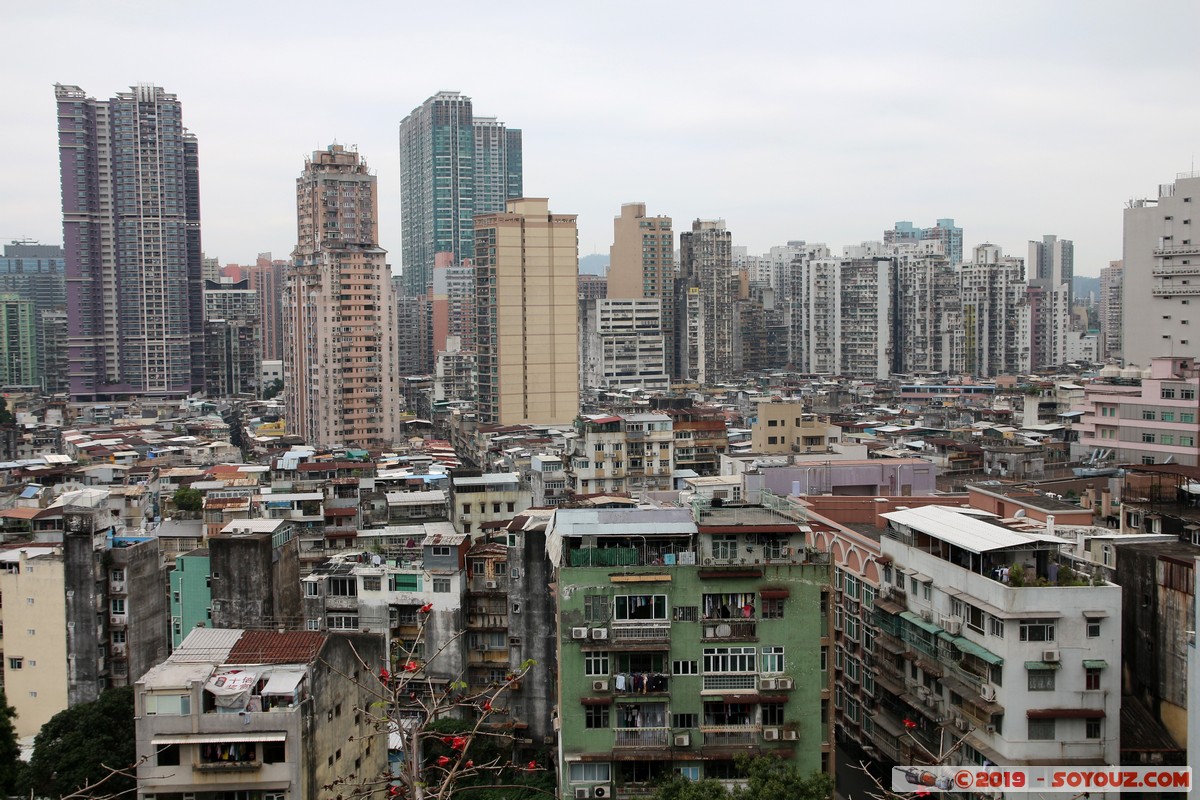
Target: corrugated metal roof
pixel 206 646
pixel 274 647
pixel 963 530
pixel 624 522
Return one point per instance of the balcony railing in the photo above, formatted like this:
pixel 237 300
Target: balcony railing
pixel 727 683
pixel 642 737
pixel 730 735
pixel 642 632
pixel 729 630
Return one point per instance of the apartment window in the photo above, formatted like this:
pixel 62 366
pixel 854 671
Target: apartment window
pixel 597 608
pixel 118 575
pixel 16 663
pixel 372 583
pixel 1037 630
pixel 342 622
pixel 1187 394
pixel 1147 413
pixel 772 713
pixel 441 585
pixel 168 755
pixel 772 660
pixel 772 440
pixel 1187 416
pixel 1147 438
pixel 342 587
pixel 585 772
pixel 1092 680
pixel 595 664
pixel 996 627
pixel 824 659
pixel 118 637
pixel 684 720
pixel 1041 680
pixel 118 605
pixel 1041 729
pixel 1167 393
pixel 310 588
pixel 729 659
pixel 773 608
pixel 1166 438
pixel 684 668
pixel 1092 730
pixel 724 546
pixel 927 591
pixel 441 551
pixel 1187 441
pixel 640 606
pixel 850 587
pixel 595 717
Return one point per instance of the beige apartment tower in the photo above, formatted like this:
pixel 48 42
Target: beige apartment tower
pixel 642 266
pixel 339 318
pixel 526 273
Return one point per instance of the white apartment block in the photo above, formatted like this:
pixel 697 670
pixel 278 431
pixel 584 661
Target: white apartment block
pixel 622 453
pixel 1161 288
pixel 1111 287
pixel 623 344
pixel 997 642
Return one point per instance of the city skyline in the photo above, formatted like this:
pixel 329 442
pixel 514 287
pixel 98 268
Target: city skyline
pixel 1044 128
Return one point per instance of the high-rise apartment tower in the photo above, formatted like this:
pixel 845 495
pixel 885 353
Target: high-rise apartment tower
pixel 642 265
pixel 131 231
pixel 339 324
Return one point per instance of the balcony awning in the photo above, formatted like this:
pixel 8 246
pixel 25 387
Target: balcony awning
pixel 915 619
pixel 1042 665
pixel 1095 663
pixel 1065 713
pixel 967 646
pixel 774 594
pixel 888 606
pixel 219 738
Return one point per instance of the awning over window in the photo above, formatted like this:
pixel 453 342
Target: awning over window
pixel 774 594
pixel 979 651
pixel 595 701
pixel 1042 665
pixel 1095 663
pixel 219 738
pixel 920 623
pixel 1065 713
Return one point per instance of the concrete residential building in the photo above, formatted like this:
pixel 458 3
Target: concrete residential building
pixel 1143 420
pixel 1024 670
pixel 232 338
pixel 785 427
pixel 483 502
pixel 35 272
pixel 35 666
pixel 642 265
pixel 1111 291
pixel 526 268
pixel 266 278
pixel 944 232
pixel 339 324
pixel 453 167
pixel 706 274
pixel 236 713
pixel 1051 263
pixel 131 232
pixel 995 317
pixel 1161 262
pixel 191 594
pixel 623 345
pixel 621 453
pixel 18 342
pixel 452 305
pixel 684 645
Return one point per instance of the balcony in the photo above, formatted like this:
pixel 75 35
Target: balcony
pixel 641 737
pixel 1173 290
pixel 729 630
pixel 730 735
pixel 227 766
pixel 641 633
pixel 341 603
pixel 730 682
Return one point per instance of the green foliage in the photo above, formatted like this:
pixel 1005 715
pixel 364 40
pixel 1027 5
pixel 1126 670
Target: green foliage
pixel 10 751
pixel 6 416
pixel 272 389
pixel 1016 575
pixel 80 746
pixel 766 779
pixel 485 748
pixel 188 500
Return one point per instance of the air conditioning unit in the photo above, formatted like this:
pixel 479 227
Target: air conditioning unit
pixel 683 740
pixel 784 683
pixel 1050 656
pixel 600 790
pixel 490 584
pixel 987 692
pixel 599 633
pixel 922 693
pixel 772 734
pixel 926 615
pixel 961 724
pixel 953 625
pixel 790 735
pixel 599 686
pixel 991 728
pixel 768 683
pixel 117 621
pixel 579 633
pixel 583 791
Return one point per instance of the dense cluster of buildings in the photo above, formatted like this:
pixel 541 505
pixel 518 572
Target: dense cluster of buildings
pixel 904 501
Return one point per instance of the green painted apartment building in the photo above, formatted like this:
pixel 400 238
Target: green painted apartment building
pixel 191 597
pixel 685 639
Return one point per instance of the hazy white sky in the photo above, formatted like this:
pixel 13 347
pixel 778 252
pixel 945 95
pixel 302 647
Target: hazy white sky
pixel 824 122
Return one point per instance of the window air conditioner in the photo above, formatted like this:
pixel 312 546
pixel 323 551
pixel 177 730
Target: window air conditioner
pixel 579 633
pixel 600 686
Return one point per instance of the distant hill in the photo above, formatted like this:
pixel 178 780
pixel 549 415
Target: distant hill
pixel 1084 285
pixel 595 264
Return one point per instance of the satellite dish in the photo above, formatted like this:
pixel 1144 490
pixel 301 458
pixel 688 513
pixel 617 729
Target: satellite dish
pixel 1020 513
pixel 724 630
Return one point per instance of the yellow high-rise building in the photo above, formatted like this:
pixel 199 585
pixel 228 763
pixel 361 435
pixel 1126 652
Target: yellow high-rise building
pixel 527 270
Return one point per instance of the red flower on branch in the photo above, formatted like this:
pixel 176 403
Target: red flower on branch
pixel 532 765
pixel 470 764
pixel 459 743
pixel 443 761
pixel 909 724
pixel 411 666
pixel 425 609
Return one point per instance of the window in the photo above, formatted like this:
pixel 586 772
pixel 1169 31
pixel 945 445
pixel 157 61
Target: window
pixel 1092 680
pixel 1187 416
pixel 684 668
pixel 772 659
pixel 597 608
pixel 118 637
pixel 996 627
pixel 1147 413
pixel 16 663
pixel 850 587
pixel 1168 416
pixel 1187 441
pixel 372 583
pixel 168 755
pixel 824 659
pixel 1041 680
pixel 342 622
pixel 683 720
pixel 1147 438
pixel 118 605
pixel 729 659
pixel 772 609
pixel 585 772
pixel 342 587
pixel 595 717
pixel 441 550
pixel 1041 729
pixel 310 588
pixel 1187 394
pixel 1167 393
pixel 1092 729
pixel 640 606
pixel 441 585
pixel 1037 630
pixel 1166 439
pixel 688 773
pixel 772 713
pixel 595 664
pixel 117 575
pixel 724 546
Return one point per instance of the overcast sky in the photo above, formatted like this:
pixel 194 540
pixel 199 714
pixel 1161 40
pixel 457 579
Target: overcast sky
pixel 824 122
